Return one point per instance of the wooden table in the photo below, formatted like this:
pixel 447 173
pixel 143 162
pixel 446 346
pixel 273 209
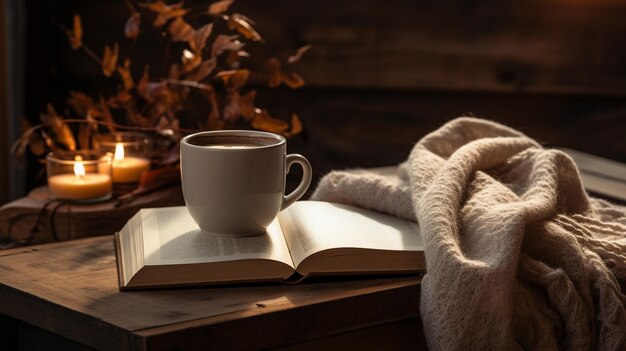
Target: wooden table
pixel 66 295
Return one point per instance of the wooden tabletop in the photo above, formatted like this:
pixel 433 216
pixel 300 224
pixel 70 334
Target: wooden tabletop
pixel 70 289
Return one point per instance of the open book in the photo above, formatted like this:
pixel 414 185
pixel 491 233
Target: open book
pixel 162 247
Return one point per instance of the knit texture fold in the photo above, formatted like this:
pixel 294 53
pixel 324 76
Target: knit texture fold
pixel 518 256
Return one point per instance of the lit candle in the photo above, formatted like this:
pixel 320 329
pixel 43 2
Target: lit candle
pixel 127 169
pixel 80 185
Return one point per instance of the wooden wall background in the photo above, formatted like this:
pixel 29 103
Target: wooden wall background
pixel 12 73
pixel 11 94
pixel 384 73
pixel 4 138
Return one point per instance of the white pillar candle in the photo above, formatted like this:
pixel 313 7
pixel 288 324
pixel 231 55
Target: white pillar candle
pixel 127 169
pixel 80 186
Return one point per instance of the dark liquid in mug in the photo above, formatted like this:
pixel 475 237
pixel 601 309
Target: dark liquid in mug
pixel 231 141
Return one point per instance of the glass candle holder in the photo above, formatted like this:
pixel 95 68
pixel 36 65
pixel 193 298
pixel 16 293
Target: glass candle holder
pixel 129 152
pixel 82 176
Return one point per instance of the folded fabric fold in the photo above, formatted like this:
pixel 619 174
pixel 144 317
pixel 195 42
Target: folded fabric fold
pixel 518 256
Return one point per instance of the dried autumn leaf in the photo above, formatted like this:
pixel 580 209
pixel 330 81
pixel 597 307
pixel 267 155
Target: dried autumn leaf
pixel 273 69
pixel 131 30
pixel 292 79
pixel 163 126
pixel 109 60
pixel 106 115
pixel 121 98
pixel 200 37
pixel 180 30
pixel 142 86
pixel 60 128
pixel 232 108
pixel 75 36
pixel 263 121
pixel 226 43
pixel 239 106
pixel 296 125
pixel 245 18
pixel 155 90
pixel 274 81
pixel 49 143
pixel 190 61
pixel 243 25
pixel 168 126
pixel 127 78
pixel 165 12
pixel 219 7
pixel 203 70
pixel 235 79
pixel 93 114
pixel 80 102
pixel 246 105
pixel 295 57
pixel 232 60
pixel 276 75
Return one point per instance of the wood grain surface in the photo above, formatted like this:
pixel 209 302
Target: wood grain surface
pixel 71 289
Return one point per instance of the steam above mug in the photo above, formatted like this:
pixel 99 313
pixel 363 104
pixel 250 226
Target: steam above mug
pixel 234 180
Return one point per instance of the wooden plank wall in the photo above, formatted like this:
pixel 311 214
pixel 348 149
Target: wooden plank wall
pixel 4 142
pixel 497 46
pixel 382 74
pixel 12 48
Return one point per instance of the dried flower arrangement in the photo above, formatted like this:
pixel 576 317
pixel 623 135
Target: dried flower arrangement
pixel 210 70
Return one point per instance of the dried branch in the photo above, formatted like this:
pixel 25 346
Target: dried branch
pixel 199 66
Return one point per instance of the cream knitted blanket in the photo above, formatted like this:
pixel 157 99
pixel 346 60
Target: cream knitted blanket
pixel 517 255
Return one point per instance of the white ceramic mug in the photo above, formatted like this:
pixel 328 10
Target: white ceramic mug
pixel 234 180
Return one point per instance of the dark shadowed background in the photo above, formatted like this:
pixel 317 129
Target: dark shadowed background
pixel 381 74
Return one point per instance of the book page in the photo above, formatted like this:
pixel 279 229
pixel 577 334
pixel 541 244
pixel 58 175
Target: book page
pixel 171 236
pixel 313 226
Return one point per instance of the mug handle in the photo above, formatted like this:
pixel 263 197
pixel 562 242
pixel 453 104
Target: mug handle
pixel 304 183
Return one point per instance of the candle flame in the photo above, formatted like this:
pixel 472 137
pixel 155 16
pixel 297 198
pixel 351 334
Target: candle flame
pixel 79 168
pixel 119 152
